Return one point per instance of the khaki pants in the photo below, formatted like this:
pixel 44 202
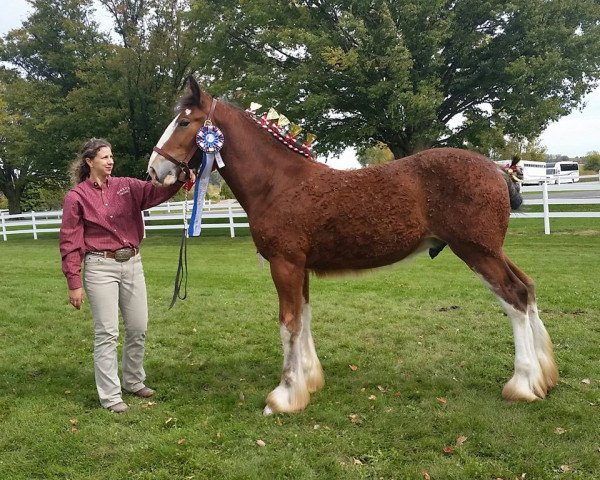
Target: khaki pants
pixel 112 286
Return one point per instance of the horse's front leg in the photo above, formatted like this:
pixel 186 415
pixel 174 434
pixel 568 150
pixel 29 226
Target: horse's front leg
pixel 291 395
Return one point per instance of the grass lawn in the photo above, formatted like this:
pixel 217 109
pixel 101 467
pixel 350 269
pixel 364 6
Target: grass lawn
pixel 429 346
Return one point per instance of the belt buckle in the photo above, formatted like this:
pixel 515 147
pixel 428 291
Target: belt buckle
pixel 123 254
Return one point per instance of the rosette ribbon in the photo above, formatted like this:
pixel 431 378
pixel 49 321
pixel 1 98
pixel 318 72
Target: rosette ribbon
pixel 210 140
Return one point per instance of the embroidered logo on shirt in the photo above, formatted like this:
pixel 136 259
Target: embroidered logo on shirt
pixel 123 191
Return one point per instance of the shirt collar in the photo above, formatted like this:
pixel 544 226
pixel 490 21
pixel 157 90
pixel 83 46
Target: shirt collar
pixel 95 185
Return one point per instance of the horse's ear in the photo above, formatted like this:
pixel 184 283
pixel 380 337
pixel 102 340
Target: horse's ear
pixel 195 89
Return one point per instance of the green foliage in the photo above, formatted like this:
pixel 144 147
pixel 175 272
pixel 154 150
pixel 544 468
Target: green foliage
pixel 435 371
pixel 398 72
pixel 74 83
pixel 525 149
pixel 226 192
pixel 375 155
pixel 592 161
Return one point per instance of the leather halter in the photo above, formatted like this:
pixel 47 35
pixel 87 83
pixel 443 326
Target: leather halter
pixel 184 164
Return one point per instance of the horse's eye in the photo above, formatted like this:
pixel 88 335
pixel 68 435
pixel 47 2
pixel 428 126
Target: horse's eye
pixel 184 122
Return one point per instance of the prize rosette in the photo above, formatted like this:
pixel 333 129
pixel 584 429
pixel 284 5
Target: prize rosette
pixel 210 139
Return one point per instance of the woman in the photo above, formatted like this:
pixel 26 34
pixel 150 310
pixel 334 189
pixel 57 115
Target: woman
pixel 102 226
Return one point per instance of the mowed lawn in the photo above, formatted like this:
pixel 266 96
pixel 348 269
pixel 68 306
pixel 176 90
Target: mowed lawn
pixel 415 358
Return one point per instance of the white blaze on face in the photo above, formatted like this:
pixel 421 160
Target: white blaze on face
pixel 163 139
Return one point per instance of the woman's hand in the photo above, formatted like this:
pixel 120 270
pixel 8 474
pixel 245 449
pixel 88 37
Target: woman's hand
pixel 76 297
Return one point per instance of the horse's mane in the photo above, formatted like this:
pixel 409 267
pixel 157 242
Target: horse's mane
pixel 189 101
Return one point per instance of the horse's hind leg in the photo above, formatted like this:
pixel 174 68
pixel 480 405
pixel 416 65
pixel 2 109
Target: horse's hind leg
pixel 313 372
pixel 528 381
pixel 541 339
pixel 291 395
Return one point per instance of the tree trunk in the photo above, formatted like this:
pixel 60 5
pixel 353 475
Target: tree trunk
pixel 14 200
pixel 404 150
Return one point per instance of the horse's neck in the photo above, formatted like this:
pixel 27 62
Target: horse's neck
pixel 254 163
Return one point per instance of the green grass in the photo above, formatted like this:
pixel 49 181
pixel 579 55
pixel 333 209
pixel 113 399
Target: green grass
pixel 430 342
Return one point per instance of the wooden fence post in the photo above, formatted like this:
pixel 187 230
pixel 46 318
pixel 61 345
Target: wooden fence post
pixel 546 208
pixel 33 226
pixel 3 226
pixel 231 224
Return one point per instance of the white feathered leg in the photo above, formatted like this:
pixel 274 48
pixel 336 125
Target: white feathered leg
pixel 313 371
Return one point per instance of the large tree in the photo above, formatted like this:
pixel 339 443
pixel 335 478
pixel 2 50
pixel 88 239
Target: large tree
pixel 66 81
pixel 408 73
pixel 44 57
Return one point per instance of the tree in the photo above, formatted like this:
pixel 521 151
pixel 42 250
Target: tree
pixel 375 155
pixel 592 161
pixel 399 72
pixel 525 149
pixel 66 82
pixel 44 56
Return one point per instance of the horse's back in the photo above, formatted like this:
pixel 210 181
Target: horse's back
pixel 379 215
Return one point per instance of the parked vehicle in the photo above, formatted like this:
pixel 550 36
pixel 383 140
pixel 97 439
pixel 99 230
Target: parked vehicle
pixel 534 173
pixel 563 172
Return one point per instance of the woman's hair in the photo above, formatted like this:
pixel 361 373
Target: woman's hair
pixel 80 170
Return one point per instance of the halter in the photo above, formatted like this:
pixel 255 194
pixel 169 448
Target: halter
pixel 184 164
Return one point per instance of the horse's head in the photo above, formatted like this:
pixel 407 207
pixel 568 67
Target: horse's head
pixel 176 153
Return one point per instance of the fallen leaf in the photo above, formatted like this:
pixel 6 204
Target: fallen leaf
pixel 73 421
pixel 354 368
pixel 372 397
pixel 260 443
pixel 181 441
pixel 316 427
pixel 565 468
pixel 73 428
pixel 67 392
pixel 586 381
pixel 353 417
pixel 442 400
pixel 397 393
pixel 357 461
pixel 460 440
pixel 559 430
pixel 242 397
pixel 425 475
pixel 380 388
pixel 448 449
pixel 218 435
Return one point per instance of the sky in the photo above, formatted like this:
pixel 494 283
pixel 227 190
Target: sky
pixel 573 135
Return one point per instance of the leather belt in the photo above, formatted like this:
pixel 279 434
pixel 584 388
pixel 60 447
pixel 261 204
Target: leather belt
pixel 120 255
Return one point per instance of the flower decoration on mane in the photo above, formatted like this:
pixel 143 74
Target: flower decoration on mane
pixel 513 170
pixel 283 130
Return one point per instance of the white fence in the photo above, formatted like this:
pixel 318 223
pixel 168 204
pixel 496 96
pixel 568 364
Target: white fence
pixel 546 201
pixel 227 215
pixel 168 216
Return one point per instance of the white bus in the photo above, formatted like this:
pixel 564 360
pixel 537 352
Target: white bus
pixel 534 173
pixel 563 172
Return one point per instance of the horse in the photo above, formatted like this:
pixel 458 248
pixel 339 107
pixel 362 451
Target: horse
pixel 307 217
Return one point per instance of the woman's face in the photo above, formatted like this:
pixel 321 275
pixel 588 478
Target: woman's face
pixel 101 165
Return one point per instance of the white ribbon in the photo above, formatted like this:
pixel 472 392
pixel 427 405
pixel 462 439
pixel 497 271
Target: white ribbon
pixel 200 194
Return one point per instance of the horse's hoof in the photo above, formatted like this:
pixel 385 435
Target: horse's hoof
pixel 267 411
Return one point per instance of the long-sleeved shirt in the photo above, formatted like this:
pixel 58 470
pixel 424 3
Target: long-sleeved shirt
pixel 106 217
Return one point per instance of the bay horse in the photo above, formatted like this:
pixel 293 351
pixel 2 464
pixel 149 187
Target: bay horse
pixel 305 216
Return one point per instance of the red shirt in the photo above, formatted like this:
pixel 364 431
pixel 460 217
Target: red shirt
pixel 106 217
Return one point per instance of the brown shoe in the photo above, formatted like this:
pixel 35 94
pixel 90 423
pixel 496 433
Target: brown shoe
pixel 143 392
pixel 120 407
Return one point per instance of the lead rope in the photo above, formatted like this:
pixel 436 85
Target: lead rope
pixel 182 267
